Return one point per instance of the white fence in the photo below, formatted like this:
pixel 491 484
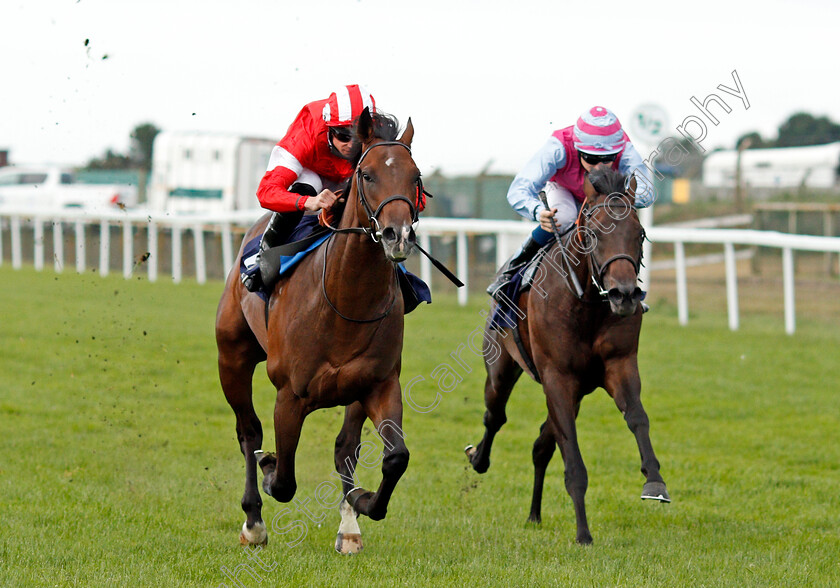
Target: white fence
pixel 508 235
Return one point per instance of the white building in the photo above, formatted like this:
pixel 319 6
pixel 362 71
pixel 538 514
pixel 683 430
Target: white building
pixel 207 172
pixel 788 167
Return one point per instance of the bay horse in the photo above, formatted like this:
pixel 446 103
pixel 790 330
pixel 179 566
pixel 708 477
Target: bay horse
pixel 331 334
pixel 578 330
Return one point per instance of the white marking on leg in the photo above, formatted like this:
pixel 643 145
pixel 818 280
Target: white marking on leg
pixel 349 537
pixel 257 535
pixel 349 521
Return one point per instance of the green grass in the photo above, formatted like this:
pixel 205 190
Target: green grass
pixel 119 464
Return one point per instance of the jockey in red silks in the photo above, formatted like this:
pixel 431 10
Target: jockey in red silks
pixel 559 168
pixel 314 158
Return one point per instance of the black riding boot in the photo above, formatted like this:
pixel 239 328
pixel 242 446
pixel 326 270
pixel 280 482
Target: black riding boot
pixel 277 232
pixel 525 254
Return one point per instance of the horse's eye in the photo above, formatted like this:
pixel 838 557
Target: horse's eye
pixel 366 177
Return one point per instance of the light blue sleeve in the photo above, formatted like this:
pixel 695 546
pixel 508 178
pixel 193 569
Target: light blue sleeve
pixel 631 162
pixel 523 194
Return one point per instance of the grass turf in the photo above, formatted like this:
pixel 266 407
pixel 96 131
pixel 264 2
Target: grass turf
pixel 119 464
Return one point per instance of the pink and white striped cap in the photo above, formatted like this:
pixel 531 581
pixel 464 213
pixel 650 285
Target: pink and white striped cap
pixel 598 131
pixel 346 104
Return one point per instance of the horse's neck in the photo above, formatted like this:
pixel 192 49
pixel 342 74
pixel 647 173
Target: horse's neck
pixel 355 259
pixel 579 263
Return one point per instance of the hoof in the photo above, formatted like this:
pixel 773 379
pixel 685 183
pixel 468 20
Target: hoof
pixel 655 491
pixel 472 453
pixel 257 535
pixel 348 543
pixel 585 539
pixel 266 461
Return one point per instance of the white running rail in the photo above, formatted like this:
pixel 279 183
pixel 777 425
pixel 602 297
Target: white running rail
pixel 508 235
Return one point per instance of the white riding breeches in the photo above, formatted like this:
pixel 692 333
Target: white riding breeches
pixel 564 201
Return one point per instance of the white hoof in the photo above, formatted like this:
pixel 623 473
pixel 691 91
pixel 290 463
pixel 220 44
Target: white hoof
pixel 257 535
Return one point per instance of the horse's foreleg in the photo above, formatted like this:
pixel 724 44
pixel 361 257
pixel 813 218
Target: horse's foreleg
pixel 384 408
pixel 622 382
pixel 502 374
pixel 542 454
pixel 279 472
pixel 562 393
pixel 349 538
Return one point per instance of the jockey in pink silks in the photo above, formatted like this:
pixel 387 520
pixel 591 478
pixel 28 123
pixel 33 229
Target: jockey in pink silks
pixel 559 168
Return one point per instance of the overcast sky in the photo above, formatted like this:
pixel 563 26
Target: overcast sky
pixel 482 81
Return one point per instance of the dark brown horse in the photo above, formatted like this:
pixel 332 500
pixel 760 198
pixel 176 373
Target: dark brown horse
pixel 332 335
pixel 580 331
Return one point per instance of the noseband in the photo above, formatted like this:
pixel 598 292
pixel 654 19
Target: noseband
pixel 597 269
pixel 373 230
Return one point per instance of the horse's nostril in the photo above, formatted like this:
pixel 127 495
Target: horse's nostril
pixel 389 234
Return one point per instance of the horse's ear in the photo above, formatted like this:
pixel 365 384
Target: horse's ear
pixel 364 126
pixel 631 186
pixel 408 134
pixel 588 188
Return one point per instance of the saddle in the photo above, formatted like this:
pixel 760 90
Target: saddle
pixel 507 314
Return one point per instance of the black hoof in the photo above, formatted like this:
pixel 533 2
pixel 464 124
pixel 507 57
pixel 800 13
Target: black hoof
pixel 655 491
pixel 267 463
pixel 585 539
pixel 479 465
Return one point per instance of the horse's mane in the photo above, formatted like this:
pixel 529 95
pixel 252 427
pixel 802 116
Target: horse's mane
pixel 385 126
pixel 607 181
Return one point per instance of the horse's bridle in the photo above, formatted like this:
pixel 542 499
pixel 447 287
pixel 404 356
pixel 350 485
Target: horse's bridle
pixel 596 268
pixel 373 229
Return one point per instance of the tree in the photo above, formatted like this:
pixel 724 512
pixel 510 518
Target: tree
pixel 142 142
pixel 805 129
pixel 752 140
pixel 111 160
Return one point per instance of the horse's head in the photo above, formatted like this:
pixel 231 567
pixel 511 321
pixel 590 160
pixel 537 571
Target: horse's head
pixel 612 235
pixel 388 185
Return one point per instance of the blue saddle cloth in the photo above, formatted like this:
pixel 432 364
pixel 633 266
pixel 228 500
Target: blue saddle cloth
pixel 414 289
pixel 506 314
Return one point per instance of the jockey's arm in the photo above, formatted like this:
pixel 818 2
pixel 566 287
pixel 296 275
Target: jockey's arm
pixel 523 194
pixel 273 191
pixel 631 163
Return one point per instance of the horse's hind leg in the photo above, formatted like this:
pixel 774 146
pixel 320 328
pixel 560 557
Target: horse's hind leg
pixel 543 451
pixel 239 353
pixel 502 375
pixel 623 384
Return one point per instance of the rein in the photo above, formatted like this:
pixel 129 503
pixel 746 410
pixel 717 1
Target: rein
pixel 596 269
pixel 374 231
pixel 338 312
pixel 373 216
